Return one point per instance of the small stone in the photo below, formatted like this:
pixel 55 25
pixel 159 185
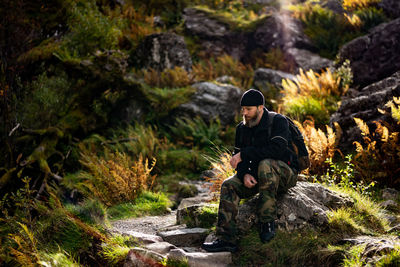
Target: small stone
pixel 390 194
pixel 144 238
pixel 185 237
pixel 160 247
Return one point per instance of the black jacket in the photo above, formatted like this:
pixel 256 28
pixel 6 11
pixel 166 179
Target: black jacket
pixel 254 145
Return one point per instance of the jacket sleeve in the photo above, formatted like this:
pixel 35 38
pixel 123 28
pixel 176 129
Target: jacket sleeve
pixel 276 148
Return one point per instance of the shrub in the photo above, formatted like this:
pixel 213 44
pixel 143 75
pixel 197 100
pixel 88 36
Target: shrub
pixel 196 132
pixel 90 211
pixel 352 5
pixel 210 69
pixel 377 158
pixel 170 78
pixel 321 146
pixel 112 180
pixel 312 92
pixel 163 100
pixel 89 30
pixel 221 168
pixel 328 30
pixel 183 160
pixel 46 98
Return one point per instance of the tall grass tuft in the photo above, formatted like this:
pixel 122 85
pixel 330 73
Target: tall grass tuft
pixel 312 94
pixel 115 179
pixel 221 168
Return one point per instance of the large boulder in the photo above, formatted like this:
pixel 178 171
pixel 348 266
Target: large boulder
pixel 306 60
pixel 163 51
pixel 217 37
pixel 213 101
pixel 282 31
pixel 375 56
pixel 364 105
pixel 306 204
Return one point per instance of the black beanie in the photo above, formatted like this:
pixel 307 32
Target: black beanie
pixel 252 97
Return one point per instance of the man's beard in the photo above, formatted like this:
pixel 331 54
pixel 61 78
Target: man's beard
pixel 251 122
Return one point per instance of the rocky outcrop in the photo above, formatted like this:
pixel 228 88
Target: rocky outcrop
pixel 280 30
pixel 217 37
pixel 390 7
pixel 375 56
pixel 306 60
pixel 265 79
pixel 163 51
pixel 306 204
pixel 364 105
pixel 213 101
pixel 373 247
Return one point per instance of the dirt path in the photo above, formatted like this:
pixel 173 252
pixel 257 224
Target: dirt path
pixel 147 224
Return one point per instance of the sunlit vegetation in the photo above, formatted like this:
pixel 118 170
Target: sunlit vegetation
pixel 358 4
pixel 329 31
pixel 378 154
pixel 312 94
pixel 73 74
pixel 113 179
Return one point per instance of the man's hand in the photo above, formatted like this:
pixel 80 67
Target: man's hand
pixel 249 181
pixel 235 160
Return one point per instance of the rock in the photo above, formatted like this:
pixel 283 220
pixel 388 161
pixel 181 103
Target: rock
pixel 144 238
pixel 194 215
pixel 217 37
pixel 269 82
pixel 163 51
pixel 306 60
pixel 202 259
pixel 139 257
pixel 365 106
pixel 390 205
pixel 375 56
pixel 390 194
pixel 282 31
pixel 185 237
pixel 390 7
pixel 160 247
pixel 305 204
pixel 374 246
pixel 211 101
pixel 264 77
pixel 198 22
pixel 190 201
pixel 394 229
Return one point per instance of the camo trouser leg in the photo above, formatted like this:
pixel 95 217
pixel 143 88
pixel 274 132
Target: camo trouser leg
pixel 232 190
pixel 274 176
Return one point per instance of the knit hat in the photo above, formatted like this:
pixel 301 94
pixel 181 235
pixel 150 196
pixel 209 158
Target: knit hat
pixel 252 97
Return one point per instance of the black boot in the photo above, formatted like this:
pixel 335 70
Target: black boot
pixel 219 245
pixel 267 231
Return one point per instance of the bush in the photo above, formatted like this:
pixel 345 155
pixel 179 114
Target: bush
pixel 89 30
pixel 112 180
pixel 313 94
pixel 46 98
pixel 378 156
pixel 321 146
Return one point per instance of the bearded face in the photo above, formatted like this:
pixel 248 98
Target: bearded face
pixel 251 115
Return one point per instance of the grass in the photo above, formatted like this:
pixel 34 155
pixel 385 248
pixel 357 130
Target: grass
pixel 148 203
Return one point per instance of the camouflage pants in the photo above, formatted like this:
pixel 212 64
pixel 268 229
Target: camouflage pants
pixel 274 176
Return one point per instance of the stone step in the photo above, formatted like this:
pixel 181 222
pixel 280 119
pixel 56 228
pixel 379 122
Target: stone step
pixel 202 259
pixel 188 237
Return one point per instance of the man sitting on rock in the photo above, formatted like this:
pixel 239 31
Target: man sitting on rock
pixel 264 164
